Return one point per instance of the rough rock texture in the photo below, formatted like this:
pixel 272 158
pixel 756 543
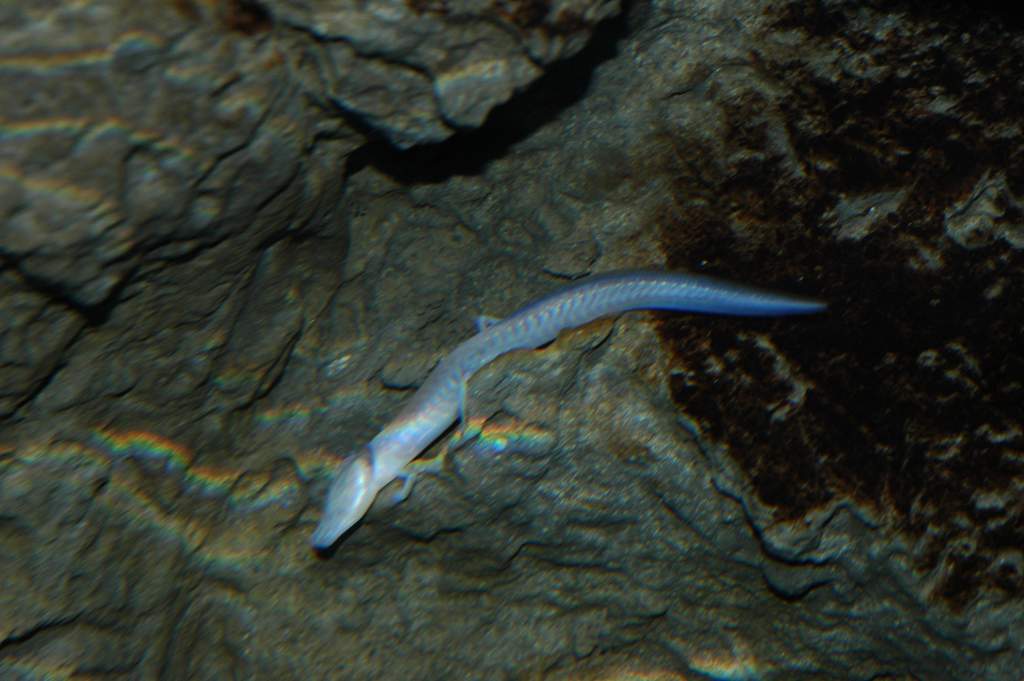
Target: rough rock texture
pixel 416 70
pixel 220 270
pixel 152 165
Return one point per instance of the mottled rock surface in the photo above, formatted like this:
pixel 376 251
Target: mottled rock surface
pixel 234 237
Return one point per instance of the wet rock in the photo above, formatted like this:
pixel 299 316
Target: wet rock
pixel 255 288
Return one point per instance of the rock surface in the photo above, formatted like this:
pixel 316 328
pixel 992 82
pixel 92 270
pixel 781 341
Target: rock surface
pixel 234 236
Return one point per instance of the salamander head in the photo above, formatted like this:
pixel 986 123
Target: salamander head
pixel 348 498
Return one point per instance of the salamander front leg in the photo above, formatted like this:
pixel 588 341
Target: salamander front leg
pixel 462 402
pixel 484 322
pixel 407 477
pixel 463 433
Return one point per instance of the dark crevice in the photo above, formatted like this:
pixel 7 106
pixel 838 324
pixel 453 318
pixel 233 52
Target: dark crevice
pixel 94 315
pixel 26 636
pixel 248 17
pixel 467 152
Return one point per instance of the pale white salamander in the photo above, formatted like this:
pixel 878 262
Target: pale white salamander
pixel 442 397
